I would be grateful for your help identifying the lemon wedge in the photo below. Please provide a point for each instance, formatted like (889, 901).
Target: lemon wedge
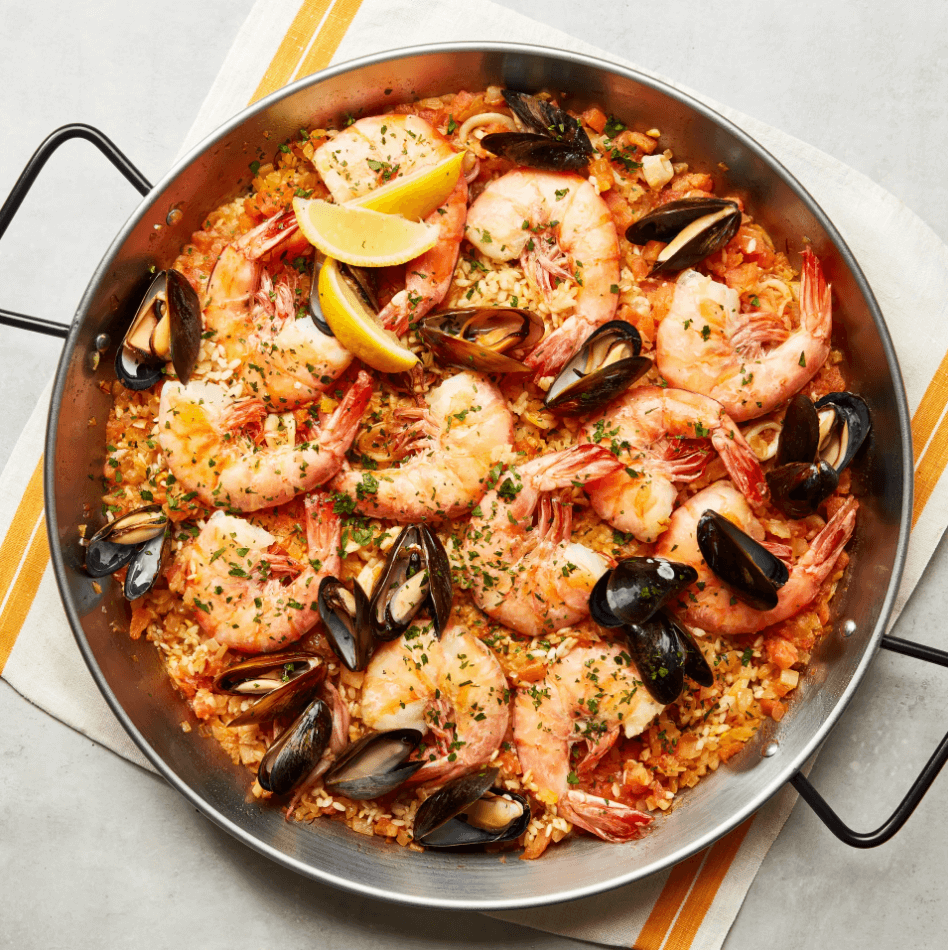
(416, 195)
(356, 327)
(360, 236)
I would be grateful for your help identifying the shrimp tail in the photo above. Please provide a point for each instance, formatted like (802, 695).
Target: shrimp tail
(323, 530)
(829, 543)
(611, 821)
(266, 236)
(741, 463)
(815, 298)
(243, 414)
(554, 350)
(577, 464)
(343, 424)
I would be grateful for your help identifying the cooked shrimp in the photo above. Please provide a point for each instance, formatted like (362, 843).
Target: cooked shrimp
(588, 696)
(643, 428)
(706, 345)
(561, 230)
(534, 579)
(465, 420)
(229, 583)
(290, 361)
(709, 603)
(453, 688)
(197, 432)
(234, 281)
(370, 153)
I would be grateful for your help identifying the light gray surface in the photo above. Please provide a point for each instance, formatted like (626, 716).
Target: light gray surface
(96, 852)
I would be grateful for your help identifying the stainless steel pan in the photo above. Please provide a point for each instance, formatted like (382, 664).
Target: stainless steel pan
(130, 673)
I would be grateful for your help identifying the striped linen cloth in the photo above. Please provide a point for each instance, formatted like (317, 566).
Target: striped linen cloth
(694, 904)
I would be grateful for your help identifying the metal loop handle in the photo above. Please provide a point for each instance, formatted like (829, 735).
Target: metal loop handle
(871, 839)
(23, 184)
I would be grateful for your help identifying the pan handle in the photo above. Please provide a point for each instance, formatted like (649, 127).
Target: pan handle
(23, 184)
(871, 839)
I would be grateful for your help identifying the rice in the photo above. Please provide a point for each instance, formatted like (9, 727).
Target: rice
(754, 674)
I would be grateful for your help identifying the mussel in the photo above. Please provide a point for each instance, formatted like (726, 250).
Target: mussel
(556, 142)
(167, 325)
(844, 425)
(693, 228)
(753, 572)
(636, 588)
(297, 751)
(417, 573)
(469, 811)
(816, 443)
(664, 654)
(605, 365)
(344, 610)
(285, 683)
(375, 765)
(138, 539)
(799, 488)
(490, 339)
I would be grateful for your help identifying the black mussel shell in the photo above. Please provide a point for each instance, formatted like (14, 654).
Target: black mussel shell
(737, 559)
(116, 544)
(556, 141)
(344, 610)
(464, 813)
(693, 227)
(141, 357)
(145, 567)
(315, 310)
(486, 338)
(696, 666)
(659, 656)
(285, 682)
(537, 151)
(297, 751)
(800, 433)
(417, 573)
(599, 605)
(639, 586)
(849, 429)
(375, 765)
(604, 366)
(184, 309)
(799, 488)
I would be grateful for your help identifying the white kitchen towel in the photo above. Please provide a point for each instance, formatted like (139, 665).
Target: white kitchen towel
(693, 904)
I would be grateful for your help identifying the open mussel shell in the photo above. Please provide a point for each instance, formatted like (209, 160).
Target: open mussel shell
(556, 141)
(166, 326)
(636, 588)
(417, 573)
(696, 666)
(604, 366)
(799, 488)
(753, 572)
(482, 338)
(469, 811)
(844, 425)
(800, 433)
(145, 567)
(344, 610)
(693, 227)
(358, 278)
(285, 683)
(375, 765)
(119, 542)
(297, 751)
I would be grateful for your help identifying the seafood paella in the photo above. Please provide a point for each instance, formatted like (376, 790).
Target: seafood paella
(482, 475)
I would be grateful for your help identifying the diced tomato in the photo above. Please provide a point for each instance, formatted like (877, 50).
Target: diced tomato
(773, 708)
(595, 118)
(781, 652)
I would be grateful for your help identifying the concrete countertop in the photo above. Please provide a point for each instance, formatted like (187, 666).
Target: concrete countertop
(96, 852)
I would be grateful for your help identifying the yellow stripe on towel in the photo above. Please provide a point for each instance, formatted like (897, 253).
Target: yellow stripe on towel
(334, 28)
(298, 37)
(706, 887)
(665, 909)
(23, 558)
